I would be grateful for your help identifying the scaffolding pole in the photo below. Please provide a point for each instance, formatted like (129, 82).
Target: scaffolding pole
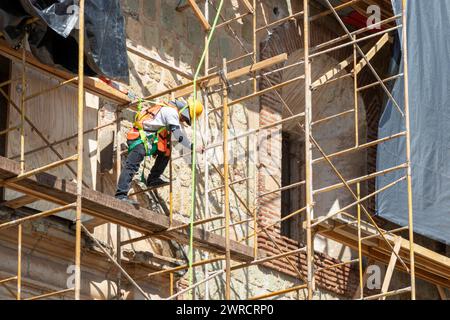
(226, 179)
(308, 153)
(80, 127)
(408, 150)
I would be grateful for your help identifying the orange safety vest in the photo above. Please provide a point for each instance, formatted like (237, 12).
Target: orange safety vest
(162, 138)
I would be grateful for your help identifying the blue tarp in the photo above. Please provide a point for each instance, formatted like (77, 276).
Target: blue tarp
(429, 88)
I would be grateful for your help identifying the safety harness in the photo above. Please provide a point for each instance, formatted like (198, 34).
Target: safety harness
(158, 140)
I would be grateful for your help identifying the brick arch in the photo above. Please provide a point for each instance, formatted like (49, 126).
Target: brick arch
(287, 38)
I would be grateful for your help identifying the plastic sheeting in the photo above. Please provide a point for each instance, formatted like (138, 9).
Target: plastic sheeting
(53, 40)
(429, 82)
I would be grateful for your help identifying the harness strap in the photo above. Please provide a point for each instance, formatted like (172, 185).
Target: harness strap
(144, 139)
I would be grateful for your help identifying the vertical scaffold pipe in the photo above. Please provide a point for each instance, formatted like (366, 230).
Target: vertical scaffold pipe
(79, 151)
(408, 148)
(308, 152)
(22, 160)
(194, 152)
(226, 180)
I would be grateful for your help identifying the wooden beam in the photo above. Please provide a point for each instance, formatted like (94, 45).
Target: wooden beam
(199, 15)
(442, 293)
(96, 204)
(326, 77)
(93, 85)
(214, 79)
(430, 266)
(375, 49)
(390, 268)
(330, 74)
(248, 69)
(20, 202)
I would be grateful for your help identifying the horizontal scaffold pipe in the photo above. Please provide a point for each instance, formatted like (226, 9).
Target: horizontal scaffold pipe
(376, 83)
(312, 18)
(261, 92)
(51, 294)
(247, 133)
(331, 215)
(213, 79)
(280, 292)
(182, 226)
(361, 147)
(361, 179)
(388, 294)
(354, 33)
(355, 41)
(37, 216)
(39, 170)
(65, 139)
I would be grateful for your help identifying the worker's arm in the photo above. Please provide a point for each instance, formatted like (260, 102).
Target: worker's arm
(172, 121)
(179, 136)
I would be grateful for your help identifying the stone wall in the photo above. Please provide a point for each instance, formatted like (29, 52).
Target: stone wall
(178, 38)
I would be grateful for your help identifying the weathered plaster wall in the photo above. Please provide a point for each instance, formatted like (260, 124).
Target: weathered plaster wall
(48, 263)
(178, 38)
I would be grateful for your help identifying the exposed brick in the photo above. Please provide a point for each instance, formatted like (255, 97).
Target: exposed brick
(286, 39)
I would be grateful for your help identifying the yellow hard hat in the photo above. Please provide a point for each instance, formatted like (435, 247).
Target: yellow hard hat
(195, 109)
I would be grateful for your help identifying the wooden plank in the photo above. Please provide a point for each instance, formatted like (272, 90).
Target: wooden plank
(330, 74)
(345, 63)
(430, 266)
(93, 85)
(442, 293)
(50, 188)
(375, 49)
(214, 79)
(391, 267)
(199, 15)
(248, 69)
(20, 202)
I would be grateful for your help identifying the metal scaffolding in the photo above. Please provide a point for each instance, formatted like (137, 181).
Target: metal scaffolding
(217, 79)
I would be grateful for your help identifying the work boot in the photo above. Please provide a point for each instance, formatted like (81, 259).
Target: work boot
(157, 182)
(128, 200)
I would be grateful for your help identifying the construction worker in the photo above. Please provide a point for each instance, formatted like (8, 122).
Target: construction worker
(151, 136)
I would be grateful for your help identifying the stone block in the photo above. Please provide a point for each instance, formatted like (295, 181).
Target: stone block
(196, 35)
(171, 19)
(151, 37)
(150, 9)
(132, 7)
(134, 30)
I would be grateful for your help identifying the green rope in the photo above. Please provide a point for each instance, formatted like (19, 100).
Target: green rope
(194, 154)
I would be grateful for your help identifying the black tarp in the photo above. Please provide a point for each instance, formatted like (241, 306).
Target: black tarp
(53, 38)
